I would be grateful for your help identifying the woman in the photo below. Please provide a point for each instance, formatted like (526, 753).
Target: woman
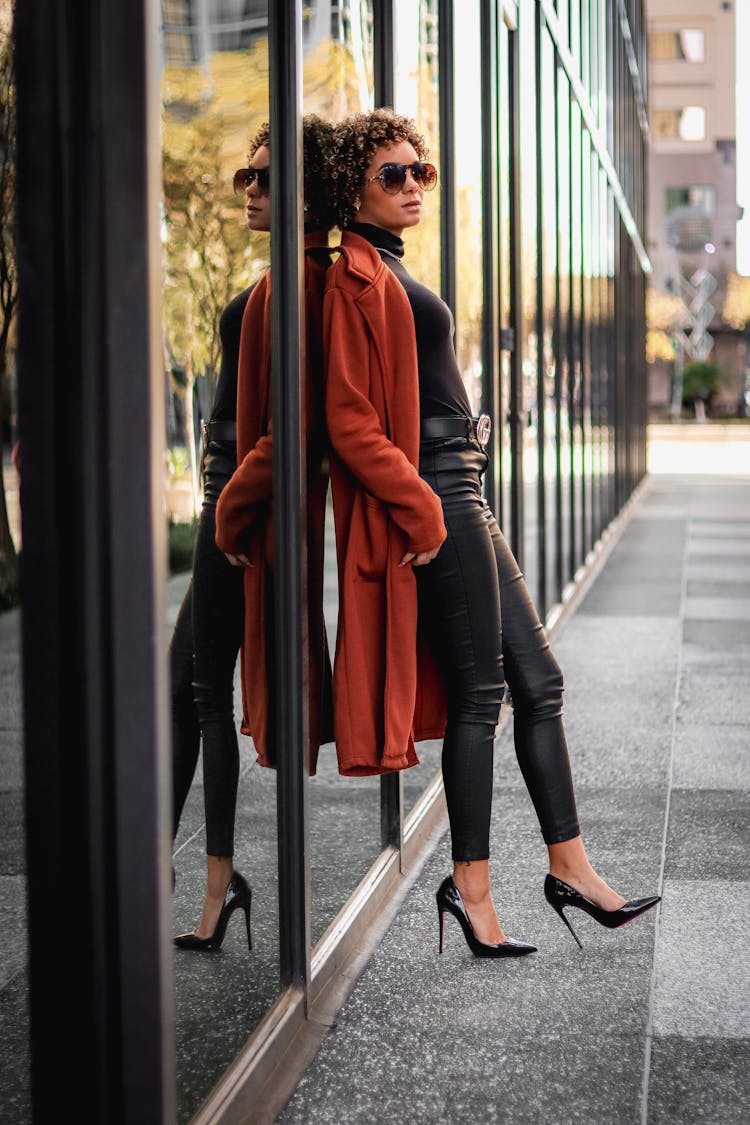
(235, 510)
(417, 544)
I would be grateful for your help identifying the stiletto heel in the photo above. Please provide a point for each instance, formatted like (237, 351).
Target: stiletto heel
(560, 895)
(565, 919)
(247, 922)
(238, 897)
(448, 898)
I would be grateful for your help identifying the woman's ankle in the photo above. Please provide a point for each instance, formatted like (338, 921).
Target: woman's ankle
(219, 872)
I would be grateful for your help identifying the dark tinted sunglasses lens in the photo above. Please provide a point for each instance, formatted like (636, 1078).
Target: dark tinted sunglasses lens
(425, 175)
(245, 176)
(392, 177)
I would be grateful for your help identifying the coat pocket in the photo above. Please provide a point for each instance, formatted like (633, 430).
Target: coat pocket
(368, 542)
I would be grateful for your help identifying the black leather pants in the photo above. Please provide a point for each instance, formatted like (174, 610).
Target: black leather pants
(203, 654)
(478, 618)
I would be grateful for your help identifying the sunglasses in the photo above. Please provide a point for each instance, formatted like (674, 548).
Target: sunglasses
(243, 177)
(393, 176)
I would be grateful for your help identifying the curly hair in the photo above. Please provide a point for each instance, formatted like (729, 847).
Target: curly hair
(357, 140)
(261, 138)
(318, 150)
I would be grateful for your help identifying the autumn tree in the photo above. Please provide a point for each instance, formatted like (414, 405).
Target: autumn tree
(8, 271)
(208, 254)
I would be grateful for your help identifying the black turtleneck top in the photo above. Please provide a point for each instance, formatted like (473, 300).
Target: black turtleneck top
(224, 406)
(441, 388)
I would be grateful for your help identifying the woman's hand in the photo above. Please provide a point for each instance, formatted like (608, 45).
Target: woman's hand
(421, 559)
(237, 560)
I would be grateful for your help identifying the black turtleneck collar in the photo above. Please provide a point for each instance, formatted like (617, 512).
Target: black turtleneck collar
(379, 238)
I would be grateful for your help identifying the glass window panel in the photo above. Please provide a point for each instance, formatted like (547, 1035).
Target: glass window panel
(214, 97)
(528, 342)
(702, 198)
(338, 59)
(686, 124)
(564, 252)
(468, 147)
(338, 69)
(678, 46)
(549, 297)
(417, 96)
(504, 200)
(586, 339)
(576, 375)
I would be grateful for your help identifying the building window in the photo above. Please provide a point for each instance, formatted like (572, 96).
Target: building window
(678, 46)
(686, 124)
(702, 198)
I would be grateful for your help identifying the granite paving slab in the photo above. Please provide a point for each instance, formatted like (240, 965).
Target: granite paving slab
(699, 1080)
(716, 698)
(712, 757)
(702, 984)
(709, 834)
(726, 607)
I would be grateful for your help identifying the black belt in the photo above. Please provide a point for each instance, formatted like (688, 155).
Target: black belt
(219, 430)
(455, 425)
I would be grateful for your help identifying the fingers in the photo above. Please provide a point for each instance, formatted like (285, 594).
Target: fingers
(237, 560)
(420, 559)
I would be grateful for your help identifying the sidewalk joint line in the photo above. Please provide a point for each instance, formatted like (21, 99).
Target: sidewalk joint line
(645, 1082)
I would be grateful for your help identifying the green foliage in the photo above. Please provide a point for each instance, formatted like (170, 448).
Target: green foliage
(181, 544)
(701, 380)
(208, 253)
(178, 462)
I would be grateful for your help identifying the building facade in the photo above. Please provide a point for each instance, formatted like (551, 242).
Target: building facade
(693, 210)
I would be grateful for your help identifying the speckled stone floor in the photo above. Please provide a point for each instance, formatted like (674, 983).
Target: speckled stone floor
(650, 1024)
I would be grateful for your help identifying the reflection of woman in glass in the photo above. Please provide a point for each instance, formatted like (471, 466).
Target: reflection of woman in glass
(208, 632)
(415, 538)
(240, 520)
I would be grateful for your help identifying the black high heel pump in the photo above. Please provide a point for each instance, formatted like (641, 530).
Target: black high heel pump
(448, 898)
(238, 897)
(559, 895)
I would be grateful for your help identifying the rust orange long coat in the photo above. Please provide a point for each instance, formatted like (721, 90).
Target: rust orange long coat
(387, 692)
(244, 510)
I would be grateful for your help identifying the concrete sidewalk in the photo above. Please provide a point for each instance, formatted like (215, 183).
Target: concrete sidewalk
(650, 1023)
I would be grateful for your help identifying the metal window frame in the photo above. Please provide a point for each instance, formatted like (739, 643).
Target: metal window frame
(94, 661)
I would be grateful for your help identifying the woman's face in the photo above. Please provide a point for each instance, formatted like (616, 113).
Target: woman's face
(257, 202)
(391, 212)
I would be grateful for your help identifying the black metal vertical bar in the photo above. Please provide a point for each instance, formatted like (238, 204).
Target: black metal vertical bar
(290, 617)
(572, 359)
(490, 248)
(383, 26)
(91, 404)
(391, 785)
(582, 313)
(516, 301)
(447, 153)
(541, 592)
(558, 353)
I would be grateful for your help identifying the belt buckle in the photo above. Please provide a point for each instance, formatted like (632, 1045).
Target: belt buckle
(484, 428)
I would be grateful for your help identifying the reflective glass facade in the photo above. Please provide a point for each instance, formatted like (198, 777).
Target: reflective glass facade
(534, 113)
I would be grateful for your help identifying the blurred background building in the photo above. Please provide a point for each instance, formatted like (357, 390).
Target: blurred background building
(693, 210)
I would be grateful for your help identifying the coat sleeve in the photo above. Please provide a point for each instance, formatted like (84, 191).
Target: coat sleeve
(356, 432)
(244, 497)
